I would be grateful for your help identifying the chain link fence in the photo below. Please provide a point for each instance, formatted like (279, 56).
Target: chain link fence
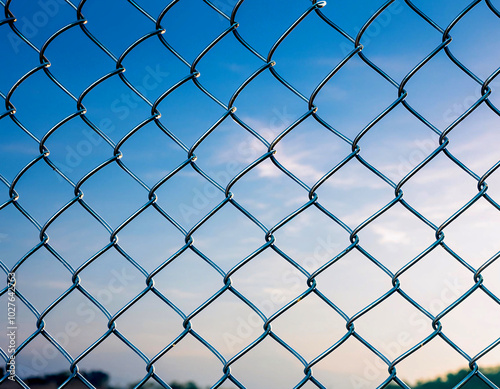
(80, 29)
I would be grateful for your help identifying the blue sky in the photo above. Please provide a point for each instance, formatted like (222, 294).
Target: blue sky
(397, 41)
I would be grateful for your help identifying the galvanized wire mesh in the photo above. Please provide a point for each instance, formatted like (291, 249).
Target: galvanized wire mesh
(311, 198)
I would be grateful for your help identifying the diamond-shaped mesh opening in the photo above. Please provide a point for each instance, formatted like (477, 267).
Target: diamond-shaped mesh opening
(99, 360)
(49, 197)
(391, 316)
(76, 150)
(289, 368)
(227, 151)
(477, 226)
(17, 150)
(442, 105)
(396, 237)
(18, 237)
(243, 64)
(383, 42)
(441, 356)
(112, 280)
(189, 358)
(108, 25)
(258, 26)
(187, 112)
(267, 106)
(351, 365)
(114, 108)
(135, 239)
(310, 337)
(312, 239)
(152, 76)
(188, 197)
(336, 282)
(471, 152)
(231, 229)
(176, 21)
(310, 151)
(269, 282)
(125, 195)
(400, 129)
(300, 71)
(275, 198)
(456, 189)
(48, 98)
(464, 314)
(76, 235)
(41, 358)
(94, 63)
(344, 194)
(188, 281)
(351, 86)
(233, 328)
(445, 280)
(150, 154)
(76, 323)
(468, 49)
(165, 321)
(42, 294)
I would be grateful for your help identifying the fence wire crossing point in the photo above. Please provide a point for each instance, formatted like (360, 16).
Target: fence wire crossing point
(9, 24)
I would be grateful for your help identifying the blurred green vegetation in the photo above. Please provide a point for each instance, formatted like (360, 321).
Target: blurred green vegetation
(452, 379)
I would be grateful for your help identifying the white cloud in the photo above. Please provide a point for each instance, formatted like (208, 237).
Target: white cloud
(390, 235)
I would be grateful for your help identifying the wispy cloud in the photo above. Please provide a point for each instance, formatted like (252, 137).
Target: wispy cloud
(391, 235)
